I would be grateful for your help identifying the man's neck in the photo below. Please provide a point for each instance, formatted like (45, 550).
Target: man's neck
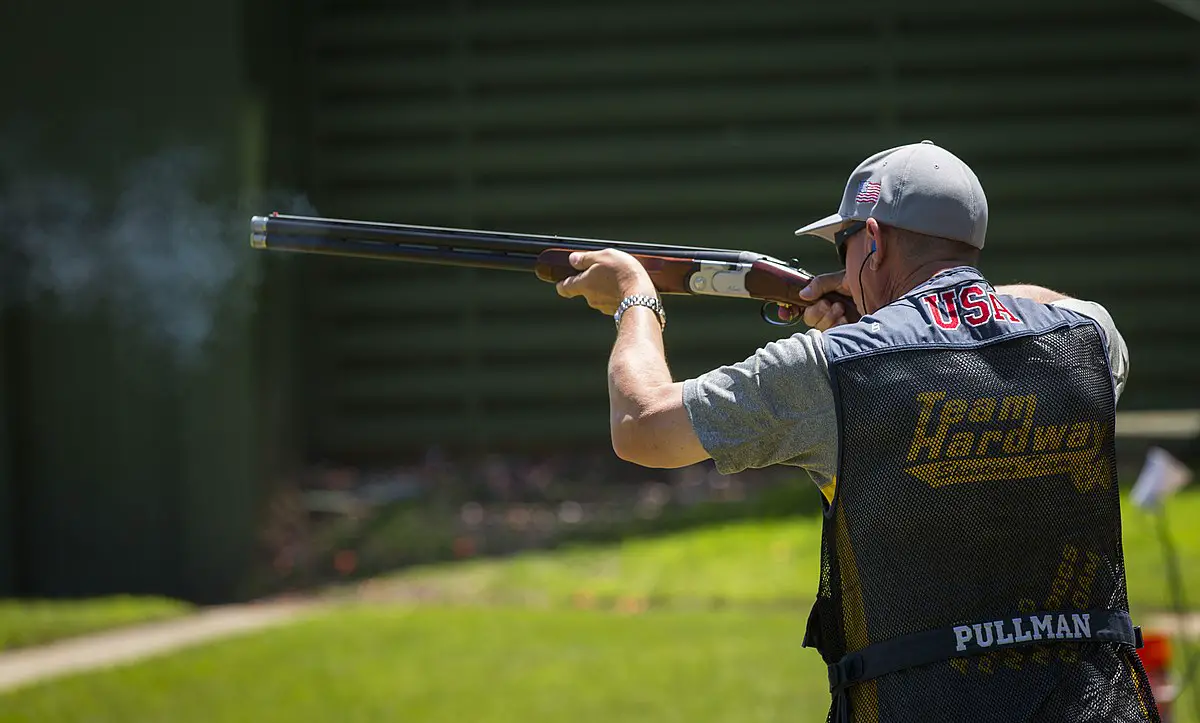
(910, 279)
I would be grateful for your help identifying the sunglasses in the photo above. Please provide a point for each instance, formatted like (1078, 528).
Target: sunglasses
(841, 237)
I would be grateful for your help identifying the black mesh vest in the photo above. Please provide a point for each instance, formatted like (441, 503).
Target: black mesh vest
(971, 561)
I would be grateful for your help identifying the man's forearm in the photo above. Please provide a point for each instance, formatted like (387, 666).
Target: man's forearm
(637, 367)
(1028, 291)
(649, 421)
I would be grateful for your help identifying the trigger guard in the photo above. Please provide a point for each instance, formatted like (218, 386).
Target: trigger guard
(773, 318)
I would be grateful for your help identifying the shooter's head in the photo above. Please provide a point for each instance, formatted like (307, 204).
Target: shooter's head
(904, 209)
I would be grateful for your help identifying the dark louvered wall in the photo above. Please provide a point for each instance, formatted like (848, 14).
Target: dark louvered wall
(725, 125)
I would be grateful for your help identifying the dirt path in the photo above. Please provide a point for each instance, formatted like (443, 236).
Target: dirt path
(125, 645)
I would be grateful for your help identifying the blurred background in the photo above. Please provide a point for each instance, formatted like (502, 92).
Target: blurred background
(183, 418)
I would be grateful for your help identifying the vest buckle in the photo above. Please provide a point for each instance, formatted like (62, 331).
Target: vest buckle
(845, 673)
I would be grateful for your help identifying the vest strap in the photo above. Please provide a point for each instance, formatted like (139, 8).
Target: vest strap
(960, 641)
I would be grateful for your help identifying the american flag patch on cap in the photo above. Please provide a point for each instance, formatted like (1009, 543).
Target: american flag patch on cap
(868, 192)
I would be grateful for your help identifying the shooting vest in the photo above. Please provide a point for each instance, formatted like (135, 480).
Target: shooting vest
(971, 563)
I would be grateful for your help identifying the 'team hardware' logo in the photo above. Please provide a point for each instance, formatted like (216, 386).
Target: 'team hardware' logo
(994, 438)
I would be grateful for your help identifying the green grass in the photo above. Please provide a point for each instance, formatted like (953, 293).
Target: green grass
(1144, 560)
(449, 665)
(749, 563)
(719, 642)
(31, 622)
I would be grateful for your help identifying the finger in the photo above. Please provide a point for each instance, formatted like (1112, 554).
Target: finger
(786, 312)
(813, 314)
(831, 317)
(582, 259)
(570, 286)
(821, 285)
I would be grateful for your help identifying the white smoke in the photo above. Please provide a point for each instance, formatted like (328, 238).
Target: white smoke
(151, 247)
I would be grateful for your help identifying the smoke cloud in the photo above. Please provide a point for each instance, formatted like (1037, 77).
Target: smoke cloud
(150, 246)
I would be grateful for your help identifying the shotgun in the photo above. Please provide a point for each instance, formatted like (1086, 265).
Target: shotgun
(674, 269)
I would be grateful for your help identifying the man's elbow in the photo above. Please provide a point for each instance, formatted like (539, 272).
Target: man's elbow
(637, 441)
(625, 439)
(656, 432)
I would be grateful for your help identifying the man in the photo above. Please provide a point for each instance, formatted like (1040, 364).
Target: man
(962, 437)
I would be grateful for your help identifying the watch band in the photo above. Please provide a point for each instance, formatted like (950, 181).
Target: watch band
(641, 300)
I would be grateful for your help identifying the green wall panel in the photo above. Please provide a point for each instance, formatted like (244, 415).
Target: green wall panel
(8, 506)
(722, 124)
(136, 471)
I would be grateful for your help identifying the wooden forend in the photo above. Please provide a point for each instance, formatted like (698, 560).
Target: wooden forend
(670, 276)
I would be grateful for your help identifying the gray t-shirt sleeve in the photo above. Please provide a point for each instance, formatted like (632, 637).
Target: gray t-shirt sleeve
(774, 408)
(1118, 353)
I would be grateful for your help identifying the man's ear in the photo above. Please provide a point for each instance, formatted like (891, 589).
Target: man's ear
(876, 243)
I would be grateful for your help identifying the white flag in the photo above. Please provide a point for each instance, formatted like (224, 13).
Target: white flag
(1162, 475)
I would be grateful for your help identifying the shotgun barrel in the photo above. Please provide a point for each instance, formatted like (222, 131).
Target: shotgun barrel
(358, 248)
(673, 269)
(434, 244)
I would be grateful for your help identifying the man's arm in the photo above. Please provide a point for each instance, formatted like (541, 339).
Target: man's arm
(648, 422)
(776, 407)
(1039, 294)
(1118, 352)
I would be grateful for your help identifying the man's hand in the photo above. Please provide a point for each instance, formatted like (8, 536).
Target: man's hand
(825, 314)
(608, 277)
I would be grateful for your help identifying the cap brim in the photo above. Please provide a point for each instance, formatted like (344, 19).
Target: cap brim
(825, 228)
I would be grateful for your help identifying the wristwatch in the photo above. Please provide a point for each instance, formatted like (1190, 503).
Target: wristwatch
(641, 300)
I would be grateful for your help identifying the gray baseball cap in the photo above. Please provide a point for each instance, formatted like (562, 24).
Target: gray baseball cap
(920, 187)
